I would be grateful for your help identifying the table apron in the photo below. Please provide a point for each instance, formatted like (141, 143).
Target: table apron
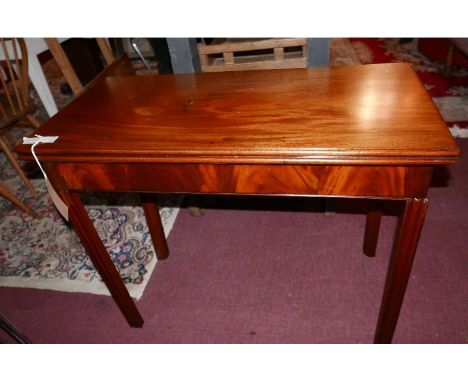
(359, 181)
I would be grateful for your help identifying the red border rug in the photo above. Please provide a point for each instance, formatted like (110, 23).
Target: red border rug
(449, 94)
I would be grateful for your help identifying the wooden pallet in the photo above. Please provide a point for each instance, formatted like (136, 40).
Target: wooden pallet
(252, 54)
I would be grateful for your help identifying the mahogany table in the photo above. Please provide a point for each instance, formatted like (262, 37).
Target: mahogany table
(368, 131)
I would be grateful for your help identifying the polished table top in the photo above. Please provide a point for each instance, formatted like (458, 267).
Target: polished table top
(366, 114)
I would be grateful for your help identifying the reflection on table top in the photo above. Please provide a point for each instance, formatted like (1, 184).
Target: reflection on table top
(353, 114)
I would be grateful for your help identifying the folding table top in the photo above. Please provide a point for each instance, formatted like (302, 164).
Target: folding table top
(372, 114)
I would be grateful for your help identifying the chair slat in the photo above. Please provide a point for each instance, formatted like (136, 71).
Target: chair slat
(228, 58)
(105, 50)
(3, 79)
(279, 53)
(21, 74)
(14, 69)
(12, 73)
(65, 66)
(2, 110)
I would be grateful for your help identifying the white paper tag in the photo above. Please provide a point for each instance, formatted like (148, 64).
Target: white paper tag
(61, 206)
(40, 139)
(58, 202)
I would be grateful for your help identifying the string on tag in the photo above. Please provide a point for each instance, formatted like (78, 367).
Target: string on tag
(37, 160)
(56, 199)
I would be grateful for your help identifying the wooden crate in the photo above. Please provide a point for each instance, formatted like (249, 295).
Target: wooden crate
(250, 54)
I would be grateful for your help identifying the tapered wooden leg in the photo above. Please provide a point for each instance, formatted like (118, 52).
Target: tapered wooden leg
(329, 207)
(13, 332)
(100, 258)
(153, 219)
(196, 212)
(64, 64)
(7, 194)
(192, 206)
(372, 232)
(17, 167)
(400, 268)
(448, 60)
(33, 121)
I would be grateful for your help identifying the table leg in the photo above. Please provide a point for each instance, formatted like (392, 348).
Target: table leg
(13, 332)
(400, 268)
(196, 212)
(372, 232)
(100, 258)
(153, 219)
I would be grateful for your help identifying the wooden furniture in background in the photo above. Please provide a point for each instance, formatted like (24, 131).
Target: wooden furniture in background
(105, 50)
(367, 131)
(85, 57)
(454, 44)
(64, 64)
(36, 46)
(185, 57)
(119, 66)
(6, 193)
(251, 54)
(15, 106)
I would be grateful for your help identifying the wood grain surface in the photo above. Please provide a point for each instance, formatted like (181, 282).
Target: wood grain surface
(347, 115)
(359, 181)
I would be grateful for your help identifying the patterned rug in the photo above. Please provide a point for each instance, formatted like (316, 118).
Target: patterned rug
(47, 253)
(449, 94)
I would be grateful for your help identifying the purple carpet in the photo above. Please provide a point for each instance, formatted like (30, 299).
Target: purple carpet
(277, 273)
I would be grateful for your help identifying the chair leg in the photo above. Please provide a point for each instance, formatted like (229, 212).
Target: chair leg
(33, 121)
(7, 194)
(64, 64)
(448, 61)
(9, 154)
